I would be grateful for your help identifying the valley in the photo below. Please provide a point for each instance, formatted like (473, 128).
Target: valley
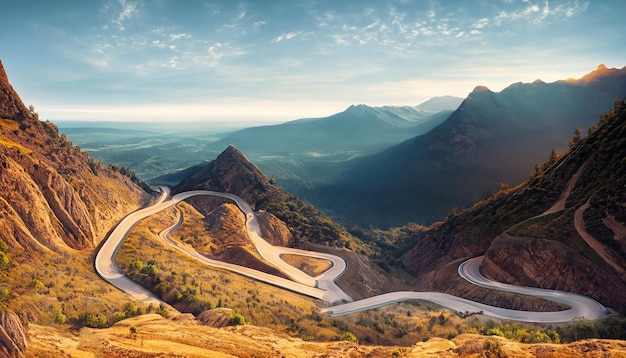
(226, 246)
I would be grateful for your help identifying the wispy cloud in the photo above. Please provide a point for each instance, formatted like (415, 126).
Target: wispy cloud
(121, 11)
(286, 36)
(538, 12)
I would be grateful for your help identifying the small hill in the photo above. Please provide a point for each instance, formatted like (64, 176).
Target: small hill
(564, 228)
(232, 172)
(491, 138)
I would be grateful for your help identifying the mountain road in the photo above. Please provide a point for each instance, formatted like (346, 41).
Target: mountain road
(323, 286)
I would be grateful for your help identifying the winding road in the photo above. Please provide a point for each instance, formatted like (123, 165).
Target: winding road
(323, 286)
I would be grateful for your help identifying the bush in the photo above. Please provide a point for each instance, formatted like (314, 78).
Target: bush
(4, 261)
(348, 336)
(4, 294)
(236, 319)
(93, 320)
(162, 310)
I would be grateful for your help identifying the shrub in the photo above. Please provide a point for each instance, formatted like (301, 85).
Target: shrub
(93, 320)
(4, 294)
(236, 319)
(348, 336)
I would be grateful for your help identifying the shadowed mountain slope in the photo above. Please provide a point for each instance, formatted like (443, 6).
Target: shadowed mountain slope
(528, 240)
(491, 138)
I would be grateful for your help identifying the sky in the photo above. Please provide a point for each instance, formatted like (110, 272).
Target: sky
(276, 60)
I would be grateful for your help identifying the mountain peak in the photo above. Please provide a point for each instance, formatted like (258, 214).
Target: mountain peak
(601, 67)
(230, 172)
(481, 89)
(11, 106)
(233, 152)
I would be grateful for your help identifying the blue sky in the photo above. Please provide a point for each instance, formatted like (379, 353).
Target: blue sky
(271, 61)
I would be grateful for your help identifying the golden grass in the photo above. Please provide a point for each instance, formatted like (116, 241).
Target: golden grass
(5, 142)
(310, 265)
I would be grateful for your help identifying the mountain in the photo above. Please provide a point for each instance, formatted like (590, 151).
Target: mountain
(491, 138)
(564, 228)
(54, 197)
(56, 205)
(358, 128)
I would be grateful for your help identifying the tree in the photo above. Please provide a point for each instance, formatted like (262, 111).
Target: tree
(31, 109)
(576, 138)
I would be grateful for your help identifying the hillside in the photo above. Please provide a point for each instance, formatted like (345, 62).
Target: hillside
(158, 337)
(491, 138)
(54, 197)
(563, 228)
(57, 204)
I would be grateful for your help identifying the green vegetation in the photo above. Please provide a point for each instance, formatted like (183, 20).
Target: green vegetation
(236, 319)
(305, 222)
(387, 246)
(524, 333)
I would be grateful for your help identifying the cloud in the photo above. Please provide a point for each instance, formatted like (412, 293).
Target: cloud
(286, 36)
(174, 37)
(126, 11)
(481, 23)
(536, 13)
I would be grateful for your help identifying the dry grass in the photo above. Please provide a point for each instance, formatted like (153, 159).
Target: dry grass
(67, 284)
(310, 265)
(182, 336)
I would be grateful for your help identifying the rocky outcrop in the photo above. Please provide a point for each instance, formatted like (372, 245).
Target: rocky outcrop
(216, 317)
(273, 230)
(11, 106)
(13, 336)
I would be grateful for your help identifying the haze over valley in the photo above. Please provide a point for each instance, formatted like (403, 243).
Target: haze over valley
(363, 179)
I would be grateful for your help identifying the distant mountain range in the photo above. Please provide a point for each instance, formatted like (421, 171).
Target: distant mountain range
(491, 138)
(359, 128)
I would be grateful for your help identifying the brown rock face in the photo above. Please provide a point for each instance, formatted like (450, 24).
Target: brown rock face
(552, 265)
(11, 105)
(217, 317)
(52, 195)
(273, 229)
(12, 336)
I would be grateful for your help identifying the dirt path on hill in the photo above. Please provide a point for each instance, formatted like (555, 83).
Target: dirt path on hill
(560, 204)
(597, 246)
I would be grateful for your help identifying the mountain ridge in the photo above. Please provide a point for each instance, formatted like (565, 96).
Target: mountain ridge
(491, 138)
